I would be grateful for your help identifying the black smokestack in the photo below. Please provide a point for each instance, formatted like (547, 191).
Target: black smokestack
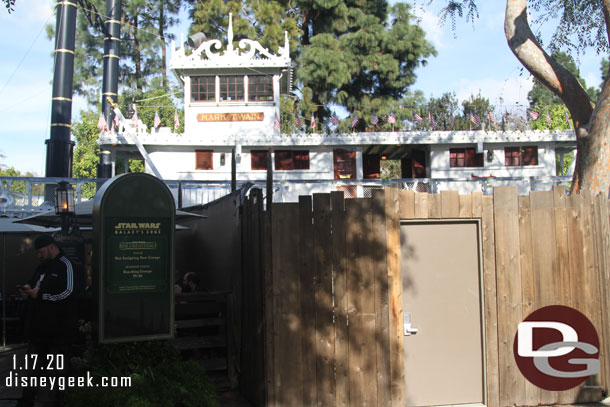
(59, 145)
(111, 57)
(110, 81)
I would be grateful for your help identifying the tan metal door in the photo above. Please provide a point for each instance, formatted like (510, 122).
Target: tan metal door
(441, 294)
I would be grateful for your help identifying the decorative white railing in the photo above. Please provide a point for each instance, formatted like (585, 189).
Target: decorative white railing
(24, 196)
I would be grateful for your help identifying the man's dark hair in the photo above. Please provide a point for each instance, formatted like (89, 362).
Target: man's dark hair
(43, 241)
(192, 277)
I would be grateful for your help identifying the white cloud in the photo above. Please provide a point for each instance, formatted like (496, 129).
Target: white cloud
(431, 24)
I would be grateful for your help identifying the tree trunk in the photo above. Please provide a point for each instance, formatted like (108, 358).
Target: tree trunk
(592, 160)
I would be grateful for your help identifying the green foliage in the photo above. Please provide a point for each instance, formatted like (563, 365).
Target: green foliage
(558, 119)
(142, 47)
(10, 5)
(155, 100)
(360, 58)
(19, 187)
(391, 169)
(87, 151)
(567, 161)
(159, 378)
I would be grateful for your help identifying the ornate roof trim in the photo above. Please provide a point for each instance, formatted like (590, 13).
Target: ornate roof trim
(249, 53)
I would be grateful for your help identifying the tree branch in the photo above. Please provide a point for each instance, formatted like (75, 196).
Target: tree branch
(551, 74)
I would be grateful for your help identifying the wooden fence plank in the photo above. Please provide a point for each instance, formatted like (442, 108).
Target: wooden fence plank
(591, 297)
(465, 202)
(561, 240)
(604, 277)
(338, 220)
(407, 204)
(477, 204)
(599, 281)
(361, 307)
(562, 214)
(288, 347)
(269, 310)
(450, 206)
(379, 254)
(544, 260)
(434, 206)
(323, 275)
(308, 315)
(421, 205)
(528, 284)
(490, 300)
(393, 210)
(512, 383)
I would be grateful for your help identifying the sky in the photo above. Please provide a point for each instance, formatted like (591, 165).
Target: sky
(474, 59)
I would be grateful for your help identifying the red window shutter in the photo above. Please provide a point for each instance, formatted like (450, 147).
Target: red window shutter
(457, 157)
(203, 160)
(283, 160)
(529, 155)
(259, 159)
(512, 156)
(474, 159)
(301, 159)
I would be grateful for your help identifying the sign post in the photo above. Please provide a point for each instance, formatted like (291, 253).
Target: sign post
(133, 228)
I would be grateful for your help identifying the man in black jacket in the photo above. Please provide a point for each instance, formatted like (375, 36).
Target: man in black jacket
(52, 326)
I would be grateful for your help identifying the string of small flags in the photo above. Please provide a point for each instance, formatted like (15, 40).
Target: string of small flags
(102, 125)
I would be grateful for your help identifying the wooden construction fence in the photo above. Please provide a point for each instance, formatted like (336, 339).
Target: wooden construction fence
(332, 287)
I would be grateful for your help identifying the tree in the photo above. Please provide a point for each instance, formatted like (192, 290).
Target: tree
(144, 38)
(87, 151)
(581, 24)
(356, 56)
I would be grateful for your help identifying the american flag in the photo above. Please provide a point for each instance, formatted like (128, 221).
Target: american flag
(116, 121)
(475, 119)
(134, 118)
(157, 121)
(548, 118)
(417, 118)
(490, 117)
(176, 121)
(334, 120)
(313, 121)
(276, 124)
(354, 121)
(392, 118)
(297, 121)
(506, 117)
(533, 115)
(375, 119)
(101, 123)
(431, 120)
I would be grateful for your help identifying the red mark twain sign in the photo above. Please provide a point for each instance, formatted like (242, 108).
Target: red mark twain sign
(231, 117)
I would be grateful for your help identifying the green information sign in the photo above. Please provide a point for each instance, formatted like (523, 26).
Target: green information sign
(133, 229)
(135, 251)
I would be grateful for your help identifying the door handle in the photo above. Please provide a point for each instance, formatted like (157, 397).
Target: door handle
(408, 329)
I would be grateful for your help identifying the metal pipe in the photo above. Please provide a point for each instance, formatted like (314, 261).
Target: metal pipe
(110, 79)
(59, 145)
